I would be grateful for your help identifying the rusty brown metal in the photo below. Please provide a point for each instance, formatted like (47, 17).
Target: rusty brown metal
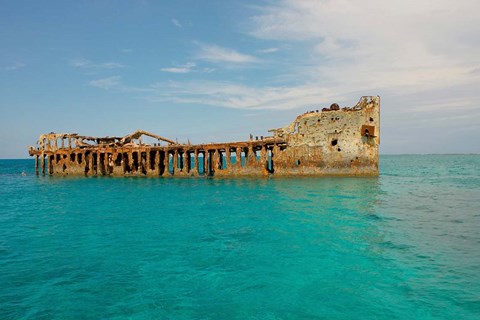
(334, 141)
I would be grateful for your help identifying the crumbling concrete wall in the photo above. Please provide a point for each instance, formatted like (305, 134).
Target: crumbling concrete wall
(333, 141)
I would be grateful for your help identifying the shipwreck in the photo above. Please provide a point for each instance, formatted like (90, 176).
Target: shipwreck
(330, 141)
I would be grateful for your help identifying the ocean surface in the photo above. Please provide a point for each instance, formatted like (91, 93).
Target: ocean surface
(404, 245)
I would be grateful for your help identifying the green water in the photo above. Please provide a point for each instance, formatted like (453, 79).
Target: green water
(404, 245)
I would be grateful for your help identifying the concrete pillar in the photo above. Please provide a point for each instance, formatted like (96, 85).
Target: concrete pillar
(238, 156)
(99, 164)
(275, 151)
(123, 163)
(166, 160)
(130, 160)
(227, 158)
(157, 162)
(147, 160)
(50, 165)
(213, 160)
(63, 143)
(50, 162)
(205, 155)
(220, 159)
(175, 161)
(36, 165)
(216, 159)
(210, 162)
(196, 166)
(263, 157)
(144, 162)
(184, 162)
(139, 162)
(107, 160)
(250, 161)
(188, 161)
(42, 163)
(90, 166)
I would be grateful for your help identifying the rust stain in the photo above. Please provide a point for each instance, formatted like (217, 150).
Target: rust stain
(333, 141)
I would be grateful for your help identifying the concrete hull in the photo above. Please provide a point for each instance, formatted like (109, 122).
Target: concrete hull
(330, 142)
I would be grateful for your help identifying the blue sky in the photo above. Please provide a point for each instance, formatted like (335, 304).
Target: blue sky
(209, 71)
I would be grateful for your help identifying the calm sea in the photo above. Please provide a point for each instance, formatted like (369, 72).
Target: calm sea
(405, 245)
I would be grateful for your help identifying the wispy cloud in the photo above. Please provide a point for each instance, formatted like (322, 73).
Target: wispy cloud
(208, 70)
(217, 54)
(223, 94)
(107, 83)
(377, 49)
(186, 68)
(87, 64)
(386, 44)
(176, 23)
(14, 66)
(239, 96)
(127, 50)
(268, 50)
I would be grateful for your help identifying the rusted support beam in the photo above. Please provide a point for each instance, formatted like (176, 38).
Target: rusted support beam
(157, 162)
(251, 157)
(42, 162)
(175, 161)
(99, 166)
(238, 155)
(130, 161)
(166, 163)
(220, 159)
(196, 164)
(147, 160)
(90, 163)
(227, 158)
(188, 161)
(50, 165)
(263, 159)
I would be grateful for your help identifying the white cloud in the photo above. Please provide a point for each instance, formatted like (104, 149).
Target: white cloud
(176, 70)
(14, 66)
(214, 53)
(188, 67)
(87, 64)
(176, 23)
(385, 43)
(208, 70)
(107, 83)
(238, 96)
(350, 49)
(268, 50)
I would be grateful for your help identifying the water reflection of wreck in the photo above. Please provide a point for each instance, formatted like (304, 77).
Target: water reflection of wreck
(333, 141)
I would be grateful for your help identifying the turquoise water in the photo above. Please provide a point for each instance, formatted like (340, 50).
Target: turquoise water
(405, 245)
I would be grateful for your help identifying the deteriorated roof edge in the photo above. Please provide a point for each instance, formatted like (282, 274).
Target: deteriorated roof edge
(360, 105)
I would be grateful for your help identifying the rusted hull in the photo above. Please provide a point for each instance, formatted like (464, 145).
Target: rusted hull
(331, 142)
